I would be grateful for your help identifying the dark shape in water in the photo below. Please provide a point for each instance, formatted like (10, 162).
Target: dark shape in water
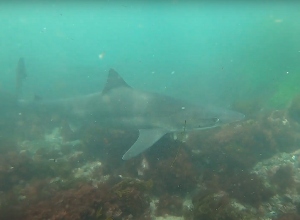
(20, 75)
(121, 107)
(294, 109)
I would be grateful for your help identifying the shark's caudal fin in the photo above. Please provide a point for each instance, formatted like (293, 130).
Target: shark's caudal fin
(147, 137)
(114, 80)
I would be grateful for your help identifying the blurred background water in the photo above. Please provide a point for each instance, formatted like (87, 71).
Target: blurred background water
(221, 53)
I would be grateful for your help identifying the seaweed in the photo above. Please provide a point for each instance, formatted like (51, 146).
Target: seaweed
(283, 178)
(247, 188)
(288, 216)
(209, 205)
(89, 202)
(169, 205)
(173, 174)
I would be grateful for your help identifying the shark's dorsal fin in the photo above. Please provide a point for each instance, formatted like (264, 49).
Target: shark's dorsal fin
(114, 80)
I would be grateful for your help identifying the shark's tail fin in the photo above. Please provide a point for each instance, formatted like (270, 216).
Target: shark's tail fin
(20, 76)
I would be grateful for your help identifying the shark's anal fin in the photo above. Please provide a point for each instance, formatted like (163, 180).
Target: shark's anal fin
(146, 139)
(114, 80)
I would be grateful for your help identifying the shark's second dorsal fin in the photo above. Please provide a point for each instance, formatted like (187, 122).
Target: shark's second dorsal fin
(114, 80)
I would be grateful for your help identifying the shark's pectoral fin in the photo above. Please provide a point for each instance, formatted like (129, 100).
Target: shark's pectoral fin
(146, 139)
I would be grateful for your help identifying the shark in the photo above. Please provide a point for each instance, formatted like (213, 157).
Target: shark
(120, 106)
